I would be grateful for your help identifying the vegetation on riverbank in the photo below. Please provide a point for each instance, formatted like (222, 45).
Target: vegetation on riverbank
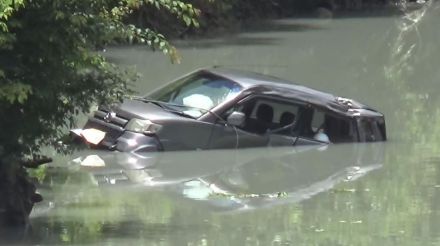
(50, 72)
(218, 17)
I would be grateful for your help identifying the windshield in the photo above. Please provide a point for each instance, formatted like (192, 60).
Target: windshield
(198, 93)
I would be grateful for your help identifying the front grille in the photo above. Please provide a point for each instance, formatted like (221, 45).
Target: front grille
(113, 126)
(113, 119)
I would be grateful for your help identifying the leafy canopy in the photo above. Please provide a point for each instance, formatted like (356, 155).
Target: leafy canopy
(50, 69)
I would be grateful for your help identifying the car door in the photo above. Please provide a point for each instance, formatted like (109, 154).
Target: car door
(262, 126)
(228, 137)
(225, 135)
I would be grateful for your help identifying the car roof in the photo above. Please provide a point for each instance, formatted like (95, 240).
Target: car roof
(270, 85)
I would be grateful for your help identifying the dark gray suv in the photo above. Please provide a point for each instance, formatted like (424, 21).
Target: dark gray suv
(224, 108)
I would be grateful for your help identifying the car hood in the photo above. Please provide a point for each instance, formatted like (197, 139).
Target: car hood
(130, 109)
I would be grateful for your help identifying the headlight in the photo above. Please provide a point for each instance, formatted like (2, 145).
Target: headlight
(142, 126)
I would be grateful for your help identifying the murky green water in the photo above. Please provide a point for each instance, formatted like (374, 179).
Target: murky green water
(361, 194)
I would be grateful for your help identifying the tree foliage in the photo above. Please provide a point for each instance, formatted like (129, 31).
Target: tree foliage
(51, 70)
(49, 67)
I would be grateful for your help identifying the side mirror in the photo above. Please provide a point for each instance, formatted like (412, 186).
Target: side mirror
(236, 118)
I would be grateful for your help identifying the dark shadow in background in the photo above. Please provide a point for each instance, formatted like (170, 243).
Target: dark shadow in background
(245, 37)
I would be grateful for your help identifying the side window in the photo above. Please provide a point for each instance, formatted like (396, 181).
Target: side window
(317, 120)
(370, 130)
(264, 114)
(338, 129)
(325, 126)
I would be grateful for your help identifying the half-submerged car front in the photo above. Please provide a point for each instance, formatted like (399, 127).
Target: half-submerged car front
(224, 108)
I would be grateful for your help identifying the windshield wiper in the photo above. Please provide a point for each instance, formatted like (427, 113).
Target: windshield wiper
(146, 100)
(201, 109)
(165, 106)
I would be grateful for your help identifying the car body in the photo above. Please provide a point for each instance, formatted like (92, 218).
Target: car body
(220, 108)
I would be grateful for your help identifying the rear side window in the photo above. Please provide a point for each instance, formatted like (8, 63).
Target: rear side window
(338, 129)
(371, 130)
(315, 123)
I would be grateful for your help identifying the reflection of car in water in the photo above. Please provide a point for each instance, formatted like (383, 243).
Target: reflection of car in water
(241, 179)
(158, 169)
(222, 108)
(288, 178)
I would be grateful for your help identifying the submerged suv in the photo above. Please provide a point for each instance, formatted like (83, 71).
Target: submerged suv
(224, 108)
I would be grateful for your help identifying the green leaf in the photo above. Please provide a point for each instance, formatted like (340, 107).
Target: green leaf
(187, 20)
(15, 92)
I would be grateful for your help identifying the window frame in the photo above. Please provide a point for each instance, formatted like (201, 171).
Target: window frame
(278, 100)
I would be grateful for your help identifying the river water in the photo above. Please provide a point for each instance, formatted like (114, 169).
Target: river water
(353, 194)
